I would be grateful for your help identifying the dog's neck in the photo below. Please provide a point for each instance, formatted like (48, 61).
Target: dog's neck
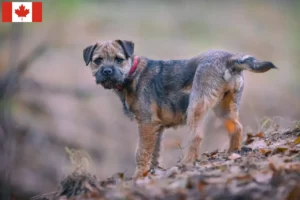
(130, 85)
(128, 79)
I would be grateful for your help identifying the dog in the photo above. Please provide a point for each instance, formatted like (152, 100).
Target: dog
(161, 94)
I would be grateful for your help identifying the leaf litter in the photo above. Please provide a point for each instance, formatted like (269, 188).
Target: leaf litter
(268, 167)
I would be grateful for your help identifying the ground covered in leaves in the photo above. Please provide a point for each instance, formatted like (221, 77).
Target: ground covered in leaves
(267, 167)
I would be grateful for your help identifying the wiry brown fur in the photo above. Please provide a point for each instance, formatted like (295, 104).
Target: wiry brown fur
(162, 94)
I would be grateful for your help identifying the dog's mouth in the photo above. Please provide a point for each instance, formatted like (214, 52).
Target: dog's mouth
(110, 84)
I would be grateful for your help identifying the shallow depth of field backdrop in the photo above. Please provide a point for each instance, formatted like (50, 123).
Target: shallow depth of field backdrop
(57, 107)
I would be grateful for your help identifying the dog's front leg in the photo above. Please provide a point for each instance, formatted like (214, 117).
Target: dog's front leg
(156, 151)
(147, 140)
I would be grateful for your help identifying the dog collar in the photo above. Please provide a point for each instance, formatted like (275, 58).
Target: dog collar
(134, 66)
(132, 70)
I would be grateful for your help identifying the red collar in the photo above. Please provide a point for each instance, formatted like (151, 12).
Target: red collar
(132, 70)
(134, 66)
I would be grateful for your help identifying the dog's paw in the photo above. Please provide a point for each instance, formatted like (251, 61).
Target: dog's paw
(140, 174)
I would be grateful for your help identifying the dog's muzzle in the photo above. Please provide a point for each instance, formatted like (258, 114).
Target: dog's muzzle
(106, 73)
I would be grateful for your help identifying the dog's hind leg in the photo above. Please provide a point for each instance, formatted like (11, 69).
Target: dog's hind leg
(200, 102)
(227, 110)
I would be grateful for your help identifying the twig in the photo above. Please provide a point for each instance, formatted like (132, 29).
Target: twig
(43, 195)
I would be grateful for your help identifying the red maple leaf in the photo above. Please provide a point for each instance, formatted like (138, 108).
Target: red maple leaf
(22, 12)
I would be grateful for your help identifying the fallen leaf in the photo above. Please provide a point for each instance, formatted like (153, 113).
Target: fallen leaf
(118, 175)
(293, 151)
(266, 152)
(297, 140)
(234, 156)
(263, 151)
(268, 142)
(249, 140)
(280, 150)
(222, 167)
(201, 186)
(250, 137)
(260, 135)
(214, 153)
(244, 177)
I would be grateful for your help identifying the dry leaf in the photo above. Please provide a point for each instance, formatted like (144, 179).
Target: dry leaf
(280, 150)
(250, 137)
(214, 153)
(293, 151)
(119, 175)
(249, 140)
(263, 151)
(297, 140)
(234, 156)
(244, 177)
(260, 135)
(201, 186)
(222, 167)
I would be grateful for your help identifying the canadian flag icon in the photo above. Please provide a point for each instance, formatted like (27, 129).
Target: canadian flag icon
(21, 11)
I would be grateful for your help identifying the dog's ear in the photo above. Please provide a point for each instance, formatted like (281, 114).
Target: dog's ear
(128, 47)
(88, 53)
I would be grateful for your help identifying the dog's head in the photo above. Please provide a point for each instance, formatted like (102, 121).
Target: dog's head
(110, 61)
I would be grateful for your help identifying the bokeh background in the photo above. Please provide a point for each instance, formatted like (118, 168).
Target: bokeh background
(52, 110)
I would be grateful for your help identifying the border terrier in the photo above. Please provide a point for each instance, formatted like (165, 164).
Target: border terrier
(161, 94)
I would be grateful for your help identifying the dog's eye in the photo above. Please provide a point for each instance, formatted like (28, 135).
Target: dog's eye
(98, 61)
(119, 60)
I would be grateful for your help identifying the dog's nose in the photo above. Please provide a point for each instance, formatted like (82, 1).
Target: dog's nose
(107, 71)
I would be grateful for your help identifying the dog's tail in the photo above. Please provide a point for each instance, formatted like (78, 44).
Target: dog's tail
(251, 64)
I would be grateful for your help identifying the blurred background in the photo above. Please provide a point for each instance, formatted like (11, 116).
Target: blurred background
(52, 112)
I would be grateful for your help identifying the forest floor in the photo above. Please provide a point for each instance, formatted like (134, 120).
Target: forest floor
(267, 167)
